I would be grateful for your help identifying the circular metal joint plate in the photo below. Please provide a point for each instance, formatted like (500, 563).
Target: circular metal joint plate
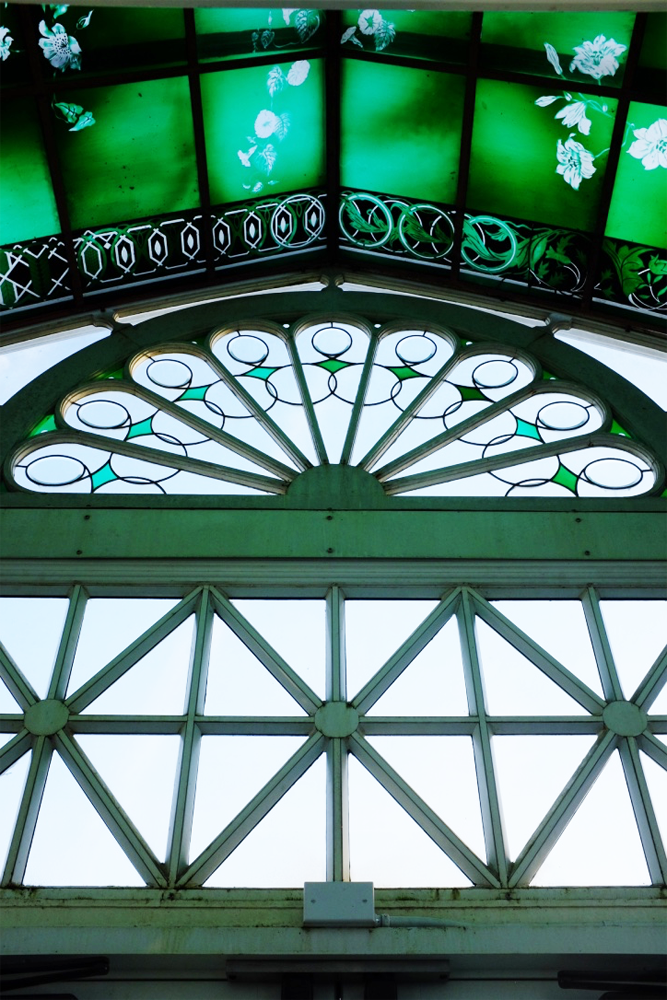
(46, 717)
(335, 718)
(624, 718)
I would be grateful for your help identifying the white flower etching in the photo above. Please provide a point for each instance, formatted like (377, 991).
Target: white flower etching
(369, 21)
(574, 162)
(544, 102)
(245, 157)
(575, 114)
(5, 43)
(60, 48)
(597, 58)
(266, 123)
(650, 145)
(552, 56)
(287, 13)
(298, 72)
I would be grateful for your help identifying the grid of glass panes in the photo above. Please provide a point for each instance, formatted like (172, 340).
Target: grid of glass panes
(217, 741)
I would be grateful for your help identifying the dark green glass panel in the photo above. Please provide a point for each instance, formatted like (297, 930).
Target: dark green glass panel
(401, 130)
(633, 274)
(640, 179)
(27, 204)
(590, 46)
(654, 51)
(119, 38)
(517, 147)
(223, 34)
(137, 160)
(13, 57)
(419, 34)
(258, 141)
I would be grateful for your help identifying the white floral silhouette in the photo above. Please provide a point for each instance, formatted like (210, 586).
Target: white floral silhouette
(575, 114)
(552, 56)
(650, 145)
(369, 21)
(298, 72)
(60, 48)
(597, 58)
(266, 123)
(5, 43)
(574, 162)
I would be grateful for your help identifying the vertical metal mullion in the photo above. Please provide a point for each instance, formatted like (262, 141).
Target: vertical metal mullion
(313, 426)
(338, 851)
(333, 119)
(486, 779)
(642, 806)
(358, 407)
(26, 820)
(466, 139)
(180, 828)
(68, 642)
(604, 657)
(194, 81)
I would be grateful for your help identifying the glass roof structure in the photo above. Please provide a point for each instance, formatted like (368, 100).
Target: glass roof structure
(519, 154)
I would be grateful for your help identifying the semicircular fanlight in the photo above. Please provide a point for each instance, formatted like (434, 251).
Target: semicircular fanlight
(256, 405)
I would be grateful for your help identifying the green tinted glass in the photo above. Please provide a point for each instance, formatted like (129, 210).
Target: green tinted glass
(137, 160)
(420, 34)
(264, 129)
(13, 57)
(539, 156)
(225, 33)
(577, 47)
(149, 38)
(640, 182)
(401, 130)
(27, 204)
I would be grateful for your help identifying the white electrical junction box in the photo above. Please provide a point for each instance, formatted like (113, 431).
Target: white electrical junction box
(338, 904)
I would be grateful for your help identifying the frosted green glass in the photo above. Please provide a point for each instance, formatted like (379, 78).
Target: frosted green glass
(420, 34)
(514, 156)
(27, 205)
(14, 61)
(638, 210)
(137, 160)
(401, 130)
(515, 34)
(224, 33)
(243, 123)
(654, 51)
(146, 37)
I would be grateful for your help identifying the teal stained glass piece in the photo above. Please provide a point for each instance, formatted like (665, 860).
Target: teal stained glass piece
(197, 392)
(137, 159)
(524, 429)
(564, 477)
(141, 428)
(102, 476)
(640, 181)
(262, 373)
(401, 130)
(264, 129)
(27, 203)
(550, 172)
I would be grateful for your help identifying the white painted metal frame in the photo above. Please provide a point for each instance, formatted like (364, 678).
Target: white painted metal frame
(463, 602)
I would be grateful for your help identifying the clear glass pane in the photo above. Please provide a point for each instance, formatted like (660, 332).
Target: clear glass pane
(600, 845)
(288, 847)
(239, 683)
(386, 846)
(140, 771)
(375, 630)
(656, 779)
(30, 630)
(12, 783)
(636, 632)
(72, 845)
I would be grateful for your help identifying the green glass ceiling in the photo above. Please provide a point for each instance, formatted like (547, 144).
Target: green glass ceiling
(521, 152)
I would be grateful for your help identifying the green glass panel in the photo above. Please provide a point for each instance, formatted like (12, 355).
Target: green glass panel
(333, 365)
(564, 477)
(470, 392)
(222, 34)
(47, 424)
(419, 34)
(148, 38)
(401, 130)
(529, 164)
(116, 373)
(13, 56)
(264, 129)
(405, 372)
(137, 160)
(27, 205)
(654, 51)
(141, 428)
(524, 429)
(584, 46)
(640, 179)
(633, 273)
(617, 429)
